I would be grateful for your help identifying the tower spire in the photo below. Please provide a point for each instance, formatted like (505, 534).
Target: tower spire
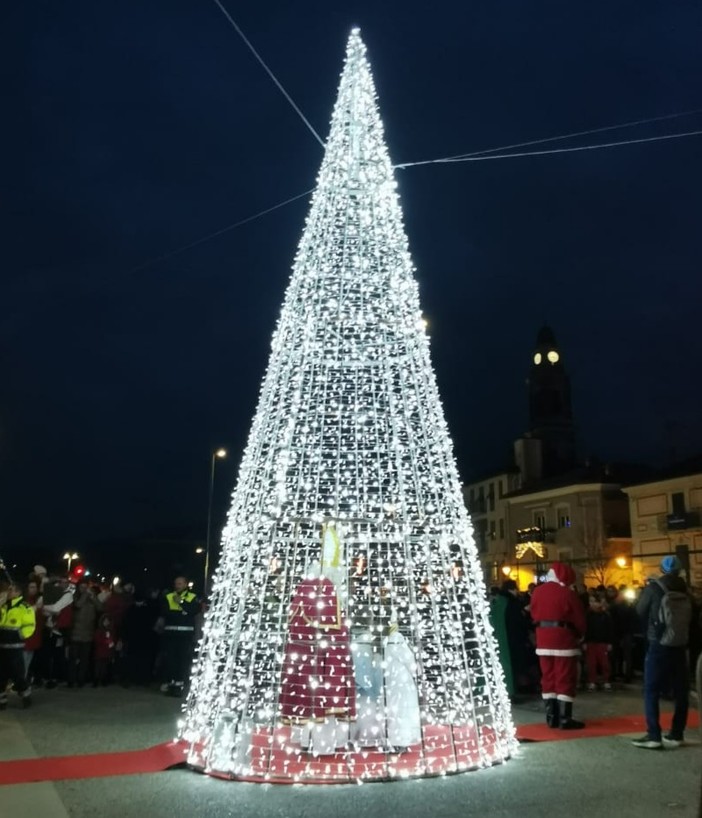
(348, 608)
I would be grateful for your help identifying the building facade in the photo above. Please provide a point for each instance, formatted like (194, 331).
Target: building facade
(546, 507)
(666, 518)
(487, 504)
(580, 519)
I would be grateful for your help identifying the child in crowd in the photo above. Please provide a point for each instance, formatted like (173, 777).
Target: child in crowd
(104, 651)
(598, 642)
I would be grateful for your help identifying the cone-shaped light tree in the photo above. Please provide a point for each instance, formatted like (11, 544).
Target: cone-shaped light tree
(348, 632)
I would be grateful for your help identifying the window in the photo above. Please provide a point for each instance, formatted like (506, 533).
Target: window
(540, 519)
(491, 496)
(502, 526)
(480, 536)
(677, 499)
(493, 532)
(563, 514)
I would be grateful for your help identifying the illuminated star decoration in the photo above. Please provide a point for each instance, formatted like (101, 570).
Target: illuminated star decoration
(536, 547)
(530, 539)
(349, 432)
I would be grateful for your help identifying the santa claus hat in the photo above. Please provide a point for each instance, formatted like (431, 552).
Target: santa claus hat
(561, 573)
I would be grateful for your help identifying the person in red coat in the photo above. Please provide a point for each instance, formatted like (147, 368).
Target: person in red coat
(318, 682)
(560, 621)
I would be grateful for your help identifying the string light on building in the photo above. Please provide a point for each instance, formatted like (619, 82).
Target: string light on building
(530, 539)
(348, 635)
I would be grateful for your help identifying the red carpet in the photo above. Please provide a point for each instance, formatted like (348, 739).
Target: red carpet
(132, 762)
(163, 756)
(596, 728)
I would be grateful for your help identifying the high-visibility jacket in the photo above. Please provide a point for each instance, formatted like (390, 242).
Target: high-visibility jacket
(180, 616)
(17, 623)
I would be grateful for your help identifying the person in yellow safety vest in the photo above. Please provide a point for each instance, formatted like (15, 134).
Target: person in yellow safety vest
(17, 623)
(179, 612)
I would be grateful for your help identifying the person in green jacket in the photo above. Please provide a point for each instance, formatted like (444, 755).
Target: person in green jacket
(510, 627)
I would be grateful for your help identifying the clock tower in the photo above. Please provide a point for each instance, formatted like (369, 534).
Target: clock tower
(550, 409)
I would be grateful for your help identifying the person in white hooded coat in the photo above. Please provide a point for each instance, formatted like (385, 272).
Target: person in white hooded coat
(401, 698)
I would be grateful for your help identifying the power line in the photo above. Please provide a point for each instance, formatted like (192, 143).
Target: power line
(595, 147)
(554, 138)
(478, 157)
(214, 235)
(268, 71)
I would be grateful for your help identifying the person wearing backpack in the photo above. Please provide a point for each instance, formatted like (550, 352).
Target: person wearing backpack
(665, 608)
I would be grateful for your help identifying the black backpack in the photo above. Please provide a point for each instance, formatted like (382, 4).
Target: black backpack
(674, 617)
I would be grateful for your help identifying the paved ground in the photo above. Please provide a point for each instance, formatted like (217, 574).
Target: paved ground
(585, 777)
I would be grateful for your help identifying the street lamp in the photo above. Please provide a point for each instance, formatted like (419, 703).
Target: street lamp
(69, 557)
(218, 454)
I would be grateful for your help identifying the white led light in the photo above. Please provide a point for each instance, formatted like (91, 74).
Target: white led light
(348, 616)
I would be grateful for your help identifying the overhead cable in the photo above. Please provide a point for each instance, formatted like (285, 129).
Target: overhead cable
(268, 71)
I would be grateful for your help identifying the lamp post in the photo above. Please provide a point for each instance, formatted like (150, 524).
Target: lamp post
(218, 454)
(69, 557)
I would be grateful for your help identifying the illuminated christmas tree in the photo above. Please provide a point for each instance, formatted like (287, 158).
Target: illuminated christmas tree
(348, 633)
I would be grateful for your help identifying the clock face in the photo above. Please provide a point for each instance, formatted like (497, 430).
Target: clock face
(553, 356)
(537, 358)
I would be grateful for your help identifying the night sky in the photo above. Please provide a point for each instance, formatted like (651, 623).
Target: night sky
(142, 126)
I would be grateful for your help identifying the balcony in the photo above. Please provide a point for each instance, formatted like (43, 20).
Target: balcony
(533, 539)
(680, 521)
(536, 534)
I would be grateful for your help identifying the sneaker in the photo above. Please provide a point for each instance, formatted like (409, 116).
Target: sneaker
(591, 688)
(165, 687)
(648, 743)
(607, 686)
(672, 743)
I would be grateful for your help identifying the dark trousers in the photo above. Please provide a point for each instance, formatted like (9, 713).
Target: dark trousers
(665, 668)
(101, 671)
(51, 666)
(79, 662)
(623, 658)
(12, 669)
(139, 664)
(177, 656)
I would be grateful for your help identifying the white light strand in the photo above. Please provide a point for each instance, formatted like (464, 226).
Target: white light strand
(348, 636)
(550, 151)
(543, 140)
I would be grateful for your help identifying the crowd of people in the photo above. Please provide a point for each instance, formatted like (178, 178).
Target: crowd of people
(556, 638)
(553, 639)
(55, 630)
(612, 647)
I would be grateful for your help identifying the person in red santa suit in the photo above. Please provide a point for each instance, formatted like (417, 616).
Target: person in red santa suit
(318, 684)
(560, 621)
